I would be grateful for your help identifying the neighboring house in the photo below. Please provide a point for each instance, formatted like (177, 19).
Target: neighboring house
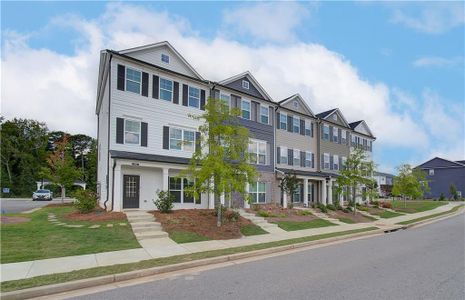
(384, 183)
(441, 174)
(297, 149)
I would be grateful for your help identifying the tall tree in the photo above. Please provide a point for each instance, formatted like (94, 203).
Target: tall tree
(61, 169)
(223, 165)
(410, 183)
(80, 147)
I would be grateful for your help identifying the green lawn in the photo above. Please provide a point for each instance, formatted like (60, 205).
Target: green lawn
(388, 214)
(414, 206)
(346, 220)
(181, 237)
(252, 229)
(40, 239)
(292, 225)
(431, 216)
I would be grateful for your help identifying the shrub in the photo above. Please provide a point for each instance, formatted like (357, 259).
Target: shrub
(347, 210)
(164, 203)
(323, 208)
(375, 203)
(364, 208)
(86, 201)
(442, 197)
(223, 211)
(330, 207)
(231, 215)
(255, 207)
(304, 213)
(263, 214)
(386, 204)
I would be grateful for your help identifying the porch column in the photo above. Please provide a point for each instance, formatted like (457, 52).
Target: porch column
(222, 198)
(246, 203)
(118, 190)
(305, 192)
(330, 192)
(165, 179)
(323, 192)
(341, 199)
(211, 198)
(284, 199)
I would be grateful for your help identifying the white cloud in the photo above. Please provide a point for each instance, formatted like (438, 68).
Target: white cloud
(432, 17)
(60, 89)
(436, 61)
(267, 21)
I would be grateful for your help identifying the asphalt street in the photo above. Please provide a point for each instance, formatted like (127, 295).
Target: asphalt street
(419, 263)
(9, 206)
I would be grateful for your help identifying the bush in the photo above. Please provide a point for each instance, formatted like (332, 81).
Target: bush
(375, 203)
(265, 214)
(348, 209)
(164, 203)
(86, 201)
(255, 207)
(363, 208)
(442, 197)
(304, 213)
(330, 207)
(231, 215)
(322, 207)
(386, 204)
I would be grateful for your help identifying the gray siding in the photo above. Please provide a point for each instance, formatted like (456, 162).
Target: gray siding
(237, 85)
(442, 179)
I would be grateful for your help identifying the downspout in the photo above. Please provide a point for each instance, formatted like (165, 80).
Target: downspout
(108, 138)
(113, 184)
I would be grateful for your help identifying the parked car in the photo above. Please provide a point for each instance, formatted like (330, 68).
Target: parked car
(42, 195)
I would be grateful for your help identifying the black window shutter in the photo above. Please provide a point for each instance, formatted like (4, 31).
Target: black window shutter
(185, 91)
(302, 158)
(311, 134)
(313, 160)
(302, 127)
(322, 166)
(289, 124)
(278, 155)
(202, 99)
(331, 133)
(176, 93)
(197, 141)
(290, 157)
(166, 137)
(145, 84)
(121, 77)
(155, 86)
(331, 162)
(143, 140)
(270, 115)
(277, 120)
(340, 162)
(322, 132)
(119, 130)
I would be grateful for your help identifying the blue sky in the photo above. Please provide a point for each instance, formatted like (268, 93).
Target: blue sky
(400, 66)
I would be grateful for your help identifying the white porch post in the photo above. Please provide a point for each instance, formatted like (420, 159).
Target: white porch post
(246, 203)
(305, 192)
(222, 198)
(330, 192)
(118, 189)
(323, 192)
(211, 198)
(341, 199)
(284, 199)
(165, 179)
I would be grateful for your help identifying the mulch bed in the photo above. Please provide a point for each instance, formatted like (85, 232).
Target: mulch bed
(13, 220)
(200, 221)
(357, 218)
(96, 215)
(283, 214)
(375, 211)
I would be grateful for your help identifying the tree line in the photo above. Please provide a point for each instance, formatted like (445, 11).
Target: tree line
(27, 147)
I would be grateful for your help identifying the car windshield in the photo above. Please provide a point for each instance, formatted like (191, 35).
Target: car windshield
(43, 191)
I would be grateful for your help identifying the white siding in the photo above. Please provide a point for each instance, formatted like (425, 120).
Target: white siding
(102, 145)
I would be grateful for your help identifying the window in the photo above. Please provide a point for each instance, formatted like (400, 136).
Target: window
(296, 195)
(245, 84)
(308, 127)
(257, 192)
(283, 121)
(178, 188)
(245, 107)
(353, 141)
(194, 97)
(431, 172)
(343, 136)
(165, 58)
(326, 132)
(308, 159)
(133, 79)
(264, 114)
(296, 124)
(257, 152)
(335, 134)
(166, 89)
(283, 156)
(296, 157)
(326, 161)
(182, 139)
(226, 99)
(343, 160)
(131, 132)
(336, 162)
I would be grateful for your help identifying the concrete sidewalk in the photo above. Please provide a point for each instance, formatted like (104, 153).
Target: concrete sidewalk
(164, 247)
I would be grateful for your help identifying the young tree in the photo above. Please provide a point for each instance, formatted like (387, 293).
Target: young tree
(220, 164)
(61, 169)
(289, 184)
(453, 192)
(356, 172)
(410, 183)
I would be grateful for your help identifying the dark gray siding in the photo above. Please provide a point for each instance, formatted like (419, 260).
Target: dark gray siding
(442, 180)
(237, 85)
(438, 162)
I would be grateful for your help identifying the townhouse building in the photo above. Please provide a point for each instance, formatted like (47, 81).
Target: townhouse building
(146, 135)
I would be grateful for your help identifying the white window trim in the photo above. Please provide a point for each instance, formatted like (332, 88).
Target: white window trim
(294, 118)
(283, 149)
(250, 109)
(245, 84)
(257, 192)
(182, 139)
(294, 157)
(140, 132)
(258, 151)
(329, 136)
(181, 190)
(431, 172)
(285, 117)
(226, 95)
(160, 88)
(161, 58)
(326, 155)
(126, 80)
(336, 162)
(189, 95)
(267, 114)
(310, 160)
(309, 123)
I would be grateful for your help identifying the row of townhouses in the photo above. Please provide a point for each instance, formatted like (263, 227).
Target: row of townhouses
(146, 136)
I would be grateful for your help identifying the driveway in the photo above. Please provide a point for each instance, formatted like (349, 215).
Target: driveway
(18, 205)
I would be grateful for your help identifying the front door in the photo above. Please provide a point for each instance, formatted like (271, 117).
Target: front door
(131, 191)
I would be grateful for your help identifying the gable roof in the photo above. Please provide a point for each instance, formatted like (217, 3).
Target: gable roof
(324, 115)
(376, 173)
(354, 125)
(460, 162)
(158, 45)
(438, 162)
(250, 77)
(301, 100)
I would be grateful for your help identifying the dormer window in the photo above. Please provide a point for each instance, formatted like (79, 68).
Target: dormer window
(165, 58)
(245, 84)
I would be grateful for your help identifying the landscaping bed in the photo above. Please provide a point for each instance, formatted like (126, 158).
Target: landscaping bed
(193, 225)
(382, 213)
(349, 217)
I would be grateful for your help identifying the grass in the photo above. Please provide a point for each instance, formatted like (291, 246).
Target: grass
(40, 239)
(181, 237)
(454, 209)
(293, 225)
(346, 220)
(252, 229)
(388, 214)
(414, 206)
(100, 271)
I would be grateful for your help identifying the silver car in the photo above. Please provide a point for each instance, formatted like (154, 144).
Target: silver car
(42, 195)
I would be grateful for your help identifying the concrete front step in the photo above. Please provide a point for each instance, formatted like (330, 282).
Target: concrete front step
(145, 224)
(153, 229)
(141, 219)
(150, 235)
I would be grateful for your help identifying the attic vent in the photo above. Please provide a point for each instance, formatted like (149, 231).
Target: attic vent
(296, 104)
(245, 84)
(165, 58)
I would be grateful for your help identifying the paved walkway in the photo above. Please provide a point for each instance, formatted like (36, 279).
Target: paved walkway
(164, 247)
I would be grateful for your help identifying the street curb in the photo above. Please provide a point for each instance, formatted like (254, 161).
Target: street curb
(435, 219)
(52, 289)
